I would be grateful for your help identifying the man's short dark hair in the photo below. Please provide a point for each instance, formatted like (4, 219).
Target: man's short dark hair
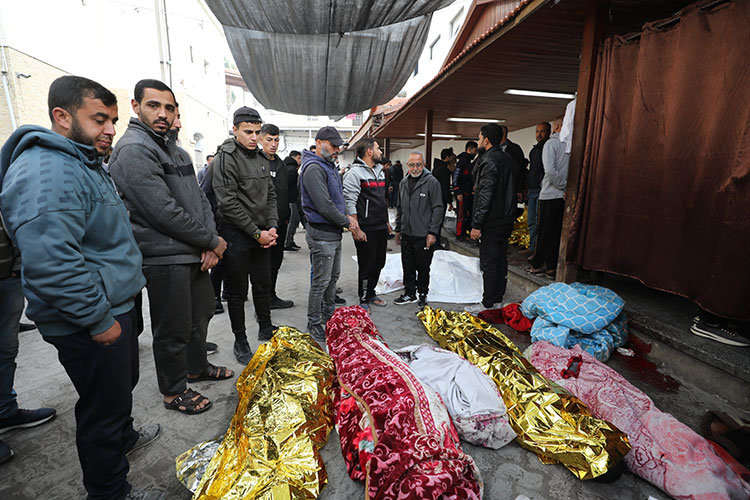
(269, 129)
(312, 148)
(446, 153)
(363, 145)
(470, 144)
(67, 92)
(209, 156)
(295, 154)
(149, 83)
(547, 126)
(493, 132)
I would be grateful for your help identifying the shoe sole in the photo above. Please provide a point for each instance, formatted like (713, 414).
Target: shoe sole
(703, 333)
(404, 303)
(28, 424)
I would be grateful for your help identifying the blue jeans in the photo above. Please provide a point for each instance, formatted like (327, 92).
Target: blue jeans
(531, 217)
(11, 308)
(325, 257)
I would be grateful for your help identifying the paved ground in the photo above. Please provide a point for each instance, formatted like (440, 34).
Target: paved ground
(46, 464)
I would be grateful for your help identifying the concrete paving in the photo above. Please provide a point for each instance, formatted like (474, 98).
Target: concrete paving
(46, 463)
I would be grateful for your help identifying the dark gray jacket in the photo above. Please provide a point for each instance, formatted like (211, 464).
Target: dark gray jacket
(171, 217)
(420, 211)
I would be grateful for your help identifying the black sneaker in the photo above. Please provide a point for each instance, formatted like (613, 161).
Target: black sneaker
(277, 303)
(290, 248)
(26, 418)
(5, 452)
(339, 300)
(211, 347)
(405, 299)
(26, 327)
(719, 334)
(266, 333)
(242, 351)
(146, 435)
(296, 245)
(218, 308)
(139, 494)
(422, 301)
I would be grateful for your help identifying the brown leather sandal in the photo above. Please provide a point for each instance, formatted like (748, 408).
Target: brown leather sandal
(213, 372)
(188, 402)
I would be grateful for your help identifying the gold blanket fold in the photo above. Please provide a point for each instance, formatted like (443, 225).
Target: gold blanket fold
(283, 418)
(549, 420)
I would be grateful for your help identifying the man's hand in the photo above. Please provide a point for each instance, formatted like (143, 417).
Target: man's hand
(267, 238)
(450, 207)
(398, 238)
(359, 235)
(390, 189)
(390, 229)
(273, 232)
(353, 224)
(220, 248)
(208, 260)
(108, 336)
(431, 240)
(475, 234)
(460, 198)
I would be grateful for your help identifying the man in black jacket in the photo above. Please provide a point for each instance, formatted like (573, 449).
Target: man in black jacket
(494, 214)
(397, 173)
(463, 188)
(292, 162)
(441, 170)
(520, 171)
(536, 174)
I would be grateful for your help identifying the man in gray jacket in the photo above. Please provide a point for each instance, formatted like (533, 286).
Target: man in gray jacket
(420, 214)
(173, 225)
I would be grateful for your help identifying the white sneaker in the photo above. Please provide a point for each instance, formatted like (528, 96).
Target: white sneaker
(475, 308)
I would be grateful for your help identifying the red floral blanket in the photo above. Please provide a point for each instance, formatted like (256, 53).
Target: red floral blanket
(395, 432)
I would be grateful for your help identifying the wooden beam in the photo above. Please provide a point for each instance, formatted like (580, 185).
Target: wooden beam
(594, 31)
(387, 147)
(428, 139)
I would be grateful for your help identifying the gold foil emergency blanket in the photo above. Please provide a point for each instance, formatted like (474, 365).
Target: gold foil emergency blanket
(520, 234)
(549, 420)
(283, 418)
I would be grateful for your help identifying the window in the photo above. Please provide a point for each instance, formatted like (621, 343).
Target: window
(456, 22)
(416, 69)
(433, 46)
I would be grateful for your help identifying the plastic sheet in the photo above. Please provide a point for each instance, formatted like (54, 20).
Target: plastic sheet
(549, 420)
(283, 418)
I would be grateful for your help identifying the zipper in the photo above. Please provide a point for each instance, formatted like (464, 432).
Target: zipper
(367, 208)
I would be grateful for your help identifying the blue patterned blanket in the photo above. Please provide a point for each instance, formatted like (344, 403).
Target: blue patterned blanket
(588, 315)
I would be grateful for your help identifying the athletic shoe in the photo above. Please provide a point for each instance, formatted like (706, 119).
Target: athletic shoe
(26, 418)
(277, 303)
(146, 435)
(339, 300)
(422, 301)
(5, 452)
(218, 308)
(242, 351)
(476, 308)
(289, 248)
(405, 299)
(211, 347)
(26, 327)
(294, 245)
(719, 334)
(139, 494)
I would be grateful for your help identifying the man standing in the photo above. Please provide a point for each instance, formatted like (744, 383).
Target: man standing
(269, 141)
(551, 203)
(81, 269)
(536, 173)
(365, 195)
(174, 227)
(397, 173)
(202, 171)
(463, 188)
(292, 162)
(516, 153)
(324, 208)
(248, 220)
(420, 212)
(441, 170)
(494, 214)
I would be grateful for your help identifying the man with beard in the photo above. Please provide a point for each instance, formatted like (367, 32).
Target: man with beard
(536, 174)
(494, 214)
(324, 208)
(269, 141)
(365, 195)
(248, 220)
(175, 230)
(81, 269)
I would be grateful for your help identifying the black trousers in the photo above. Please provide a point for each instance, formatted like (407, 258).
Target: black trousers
(277, 256)
(548, 236)
(181, 304)
(415, 262)
(217, 277)
(104, 378)
(370, 261)
(244, 256)
(493, 262)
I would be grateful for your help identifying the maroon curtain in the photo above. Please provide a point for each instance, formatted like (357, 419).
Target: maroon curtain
(665, 188)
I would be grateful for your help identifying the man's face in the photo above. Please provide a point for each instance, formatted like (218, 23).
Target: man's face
(93, 124)
(157, 110)
(415, 164)
(298, 159)
(484, 144)
(542, 133)
(472, 151)
(247, 134)
(176, 124)
(327, 151)
(209, 159)
(270, 144)
(377, 154)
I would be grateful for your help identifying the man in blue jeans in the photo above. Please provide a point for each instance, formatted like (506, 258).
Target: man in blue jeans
(11, 308)
(324, 207)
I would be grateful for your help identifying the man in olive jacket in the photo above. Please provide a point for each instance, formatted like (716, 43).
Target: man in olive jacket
(248, 220)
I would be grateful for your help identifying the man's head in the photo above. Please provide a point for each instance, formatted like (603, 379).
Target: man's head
(296, 156)
(415, 163)
(312, 148)
(505, 133)
(557, 124)
(155, 105)
(174, 130)
(209, 159)
(446, 154)
(269, 139)
(490, 135)
(368, 150)
(246, 127)
(471, 148)
(543, 130)
(84, 111)
(386, 163)
(328, 143)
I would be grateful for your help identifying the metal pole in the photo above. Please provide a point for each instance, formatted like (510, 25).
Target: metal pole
(6, 89)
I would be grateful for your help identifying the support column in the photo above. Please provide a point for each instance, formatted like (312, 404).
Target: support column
(594, 30)
(428, 139)
(387, 147)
